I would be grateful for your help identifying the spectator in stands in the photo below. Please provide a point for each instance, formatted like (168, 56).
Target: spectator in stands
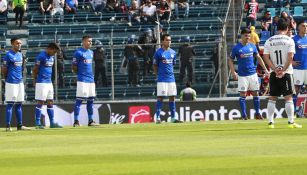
(291, 22)
(98, 6)
(182, 4)
(111, 5)
(149, 47)
(3, 11)
(266, 21)
(57, 7)
(254, 38)
(188, 94)
(19, 8)
(164, 11)
(132, 51)
(100, 64)
(149, 12)
(134, 13)
(45, 7)
(186, 52)
(60, 56)
(251, 9)
(274, 25)
(71, 6)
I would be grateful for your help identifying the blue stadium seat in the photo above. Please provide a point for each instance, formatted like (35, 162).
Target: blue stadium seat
(303, 1)
(272, 10)
(298, 11)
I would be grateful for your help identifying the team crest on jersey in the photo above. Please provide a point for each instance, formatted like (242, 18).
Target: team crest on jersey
(242, 88)
(172, 55)
(251, 49)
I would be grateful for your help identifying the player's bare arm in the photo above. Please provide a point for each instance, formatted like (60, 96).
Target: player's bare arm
(289, 61)
(4, 71)
(260, 61)
(232, 69)
(74, 69)
(155, 69)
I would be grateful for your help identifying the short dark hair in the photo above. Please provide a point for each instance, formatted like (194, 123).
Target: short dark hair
(164, 36)
(282, 24)
(53, 46)
(188, 84)
(301, 22)
(86, 37)
(245, 30)
(14, 39)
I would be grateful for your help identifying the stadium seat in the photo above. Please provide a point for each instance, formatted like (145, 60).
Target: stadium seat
(285, 9)
(303, 1)
(298, 11)
(272, 10)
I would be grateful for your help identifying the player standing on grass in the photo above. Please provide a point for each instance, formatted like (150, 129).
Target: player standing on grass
(163, 66)
(246, 76)
(14, 87)
(278, 54)
(300, 60)
(42, 73)
(82, 65)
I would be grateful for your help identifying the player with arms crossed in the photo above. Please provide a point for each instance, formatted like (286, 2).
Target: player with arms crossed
(300, 60)
(246, 76)
(163, 66)
(41, 73)
(14, 87)
(82, 65)
(278, 55)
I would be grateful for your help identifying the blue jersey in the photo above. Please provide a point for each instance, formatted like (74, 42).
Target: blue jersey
(300, 51)
(165, 60)
(13, 62)
(83, 59)
(245, 57)
(71, 3)
(45, 63)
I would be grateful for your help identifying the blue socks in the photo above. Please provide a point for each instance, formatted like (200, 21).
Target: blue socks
(172, 108)
(18, 112)
(89, 108)
(294, 101)
(9, 108)
(243, 106)
(77, 109)
(257, 104)
(50, 112)
(159, 106)
(38, 113)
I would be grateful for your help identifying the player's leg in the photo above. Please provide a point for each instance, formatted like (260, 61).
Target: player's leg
(90, 104)
(18, 107)
(50, 112)
(242, 88)
(171, 93)
(288, 87)
(275, 92)
(79, 98)
(10, 98)
(40, 97)
(298, 77)
(160, 95)
(254, 87)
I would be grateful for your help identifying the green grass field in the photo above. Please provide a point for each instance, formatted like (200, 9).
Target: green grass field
(201, 148)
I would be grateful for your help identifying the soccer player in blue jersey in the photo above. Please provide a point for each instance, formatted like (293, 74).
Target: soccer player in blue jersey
(14, 87)
(82, 65)
(42, 73)
(300, 60)
(163, 66)
(247, 77)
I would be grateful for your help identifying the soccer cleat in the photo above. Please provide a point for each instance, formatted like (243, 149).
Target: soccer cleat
(173, 120)
(158, 121)
(271, 125)
(56, 125)
(258, 117)
(23, 128)
(244, 118)
(76, 123)
(8, 129)
(39, 127)
(92, 123)
(294, 125)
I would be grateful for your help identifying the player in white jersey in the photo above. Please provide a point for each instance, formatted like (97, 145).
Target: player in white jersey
(278, 55)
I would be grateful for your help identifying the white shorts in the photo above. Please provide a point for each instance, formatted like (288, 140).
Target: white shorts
(248, 83)
(166, 89)
(85, 90)
(300, 77)
(44, 91)
(14, 92)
